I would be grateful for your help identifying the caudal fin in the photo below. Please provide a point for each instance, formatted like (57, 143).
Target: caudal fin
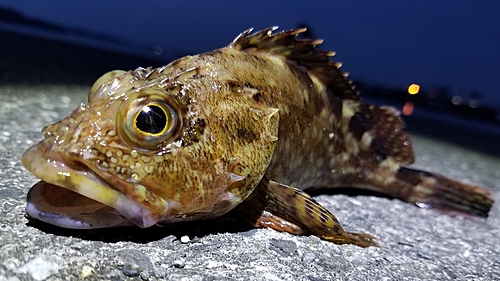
(438, 192)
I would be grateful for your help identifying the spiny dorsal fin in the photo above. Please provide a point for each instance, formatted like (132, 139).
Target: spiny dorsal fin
(384, 126)
(301, 51)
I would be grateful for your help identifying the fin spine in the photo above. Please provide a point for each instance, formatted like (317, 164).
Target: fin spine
(301, 51)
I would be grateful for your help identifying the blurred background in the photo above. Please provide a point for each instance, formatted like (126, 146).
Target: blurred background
(436, 61)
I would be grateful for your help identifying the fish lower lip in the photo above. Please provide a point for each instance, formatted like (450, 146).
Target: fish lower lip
(55, 173)
(62, 207)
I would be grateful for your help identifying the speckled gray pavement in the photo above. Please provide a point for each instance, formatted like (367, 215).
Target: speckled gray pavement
(416, 244)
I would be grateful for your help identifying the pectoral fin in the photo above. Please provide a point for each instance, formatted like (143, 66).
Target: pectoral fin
(291, 210)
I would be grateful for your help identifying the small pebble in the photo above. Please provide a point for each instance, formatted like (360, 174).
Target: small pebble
(76, 246)
(179, 263)
(86, 271)
(144, 275)
(425, 256)
(212, 264)
(308, 257)
(389, 258)
(185, 239)
(130, 272)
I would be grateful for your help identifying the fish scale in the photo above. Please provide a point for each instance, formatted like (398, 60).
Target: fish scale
(246, 127)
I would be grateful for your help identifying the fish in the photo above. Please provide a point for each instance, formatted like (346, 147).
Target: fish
(250, 127)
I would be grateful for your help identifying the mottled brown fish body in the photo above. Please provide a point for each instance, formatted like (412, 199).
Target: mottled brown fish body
(318, 143)
(307, 122)
(249, 125)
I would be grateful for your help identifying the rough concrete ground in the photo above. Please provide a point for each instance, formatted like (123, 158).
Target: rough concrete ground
(416, 244)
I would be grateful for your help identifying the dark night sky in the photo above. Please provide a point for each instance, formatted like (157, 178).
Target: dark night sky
(455, 44)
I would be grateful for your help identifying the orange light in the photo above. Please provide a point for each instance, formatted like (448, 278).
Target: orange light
(408, 108)
(413, 89)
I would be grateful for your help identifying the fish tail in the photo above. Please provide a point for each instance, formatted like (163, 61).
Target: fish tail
(377, 138)
(428, 190)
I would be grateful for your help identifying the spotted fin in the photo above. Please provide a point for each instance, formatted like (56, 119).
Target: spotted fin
(374, 133)
(380, 145)
(303, 52)
(291, 210)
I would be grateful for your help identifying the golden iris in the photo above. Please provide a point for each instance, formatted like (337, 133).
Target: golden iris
(149, 119)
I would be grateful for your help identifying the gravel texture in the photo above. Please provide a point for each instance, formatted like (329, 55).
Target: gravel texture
(416, 244)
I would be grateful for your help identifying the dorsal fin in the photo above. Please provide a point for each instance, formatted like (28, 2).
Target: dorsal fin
(301, 51)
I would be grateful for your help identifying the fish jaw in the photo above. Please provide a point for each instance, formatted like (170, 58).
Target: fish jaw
(67, 209)
(54, 172)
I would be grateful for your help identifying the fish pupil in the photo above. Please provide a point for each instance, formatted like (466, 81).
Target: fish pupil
(152, 119)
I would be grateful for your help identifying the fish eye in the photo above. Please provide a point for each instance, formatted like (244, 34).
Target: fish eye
(149, 120)
(152, 119)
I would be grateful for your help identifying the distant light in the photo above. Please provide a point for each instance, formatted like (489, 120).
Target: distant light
(456, 100)
(413, 89)
(157, 50)
(408, 108)
(474, 103)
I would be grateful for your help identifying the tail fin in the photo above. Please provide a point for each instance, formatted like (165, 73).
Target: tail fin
(428, 190)
(381, 148)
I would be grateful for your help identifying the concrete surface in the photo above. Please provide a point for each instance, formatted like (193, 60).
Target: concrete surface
(417, 244)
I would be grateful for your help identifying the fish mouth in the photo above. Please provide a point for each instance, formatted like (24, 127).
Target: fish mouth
(76, 197)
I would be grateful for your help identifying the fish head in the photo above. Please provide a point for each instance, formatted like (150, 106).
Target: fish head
(152, 146)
